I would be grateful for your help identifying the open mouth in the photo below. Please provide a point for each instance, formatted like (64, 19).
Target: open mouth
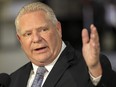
(37, 49)
(41, 49)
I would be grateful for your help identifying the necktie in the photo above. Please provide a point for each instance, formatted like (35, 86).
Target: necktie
(39, 77)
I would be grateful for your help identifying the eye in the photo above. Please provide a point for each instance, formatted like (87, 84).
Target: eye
(44, 29)
(27, 34)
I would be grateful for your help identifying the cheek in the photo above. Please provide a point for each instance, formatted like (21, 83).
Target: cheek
(25, 44)
(53, 39)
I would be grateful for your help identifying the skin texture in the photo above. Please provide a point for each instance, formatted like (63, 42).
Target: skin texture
(41, 40)
(39, 37)
(91, 50)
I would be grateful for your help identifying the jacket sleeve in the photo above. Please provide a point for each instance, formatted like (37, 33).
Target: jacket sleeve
(108, 78)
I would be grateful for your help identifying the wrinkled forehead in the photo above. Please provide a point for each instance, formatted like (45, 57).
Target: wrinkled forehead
(36, 16)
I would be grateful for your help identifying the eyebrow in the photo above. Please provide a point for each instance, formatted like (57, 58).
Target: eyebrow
(28, 30)
(43, 26)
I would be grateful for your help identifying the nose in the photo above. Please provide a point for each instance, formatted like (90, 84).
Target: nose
(36, 37)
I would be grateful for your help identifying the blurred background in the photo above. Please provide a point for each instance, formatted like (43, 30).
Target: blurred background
(74, 15)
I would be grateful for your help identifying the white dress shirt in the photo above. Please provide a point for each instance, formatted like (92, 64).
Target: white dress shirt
(49, 68)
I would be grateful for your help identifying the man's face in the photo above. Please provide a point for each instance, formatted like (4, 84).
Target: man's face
(39, 37)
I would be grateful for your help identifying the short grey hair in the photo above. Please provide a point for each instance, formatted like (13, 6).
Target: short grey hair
(35, 6)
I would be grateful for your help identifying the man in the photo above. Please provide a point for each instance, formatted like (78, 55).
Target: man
(40, 35)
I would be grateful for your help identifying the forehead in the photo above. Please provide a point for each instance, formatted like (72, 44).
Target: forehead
(33, 15)
(32, 18)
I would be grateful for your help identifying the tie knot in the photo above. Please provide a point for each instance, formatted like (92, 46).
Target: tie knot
(41, 70)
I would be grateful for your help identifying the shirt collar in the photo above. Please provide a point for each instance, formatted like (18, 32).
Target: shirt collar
(50, 66)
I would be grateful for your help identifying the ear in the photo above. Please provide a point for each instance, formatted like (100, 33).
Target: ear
(59, 28)
(18, 37)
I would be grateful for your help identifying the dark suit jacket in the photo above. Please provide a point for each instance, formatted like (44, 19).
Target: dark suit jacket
(69, 71)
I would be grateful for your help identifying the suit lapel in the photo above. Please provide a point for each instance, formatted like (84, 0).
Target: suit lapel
(61, 65)
(24, 75)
